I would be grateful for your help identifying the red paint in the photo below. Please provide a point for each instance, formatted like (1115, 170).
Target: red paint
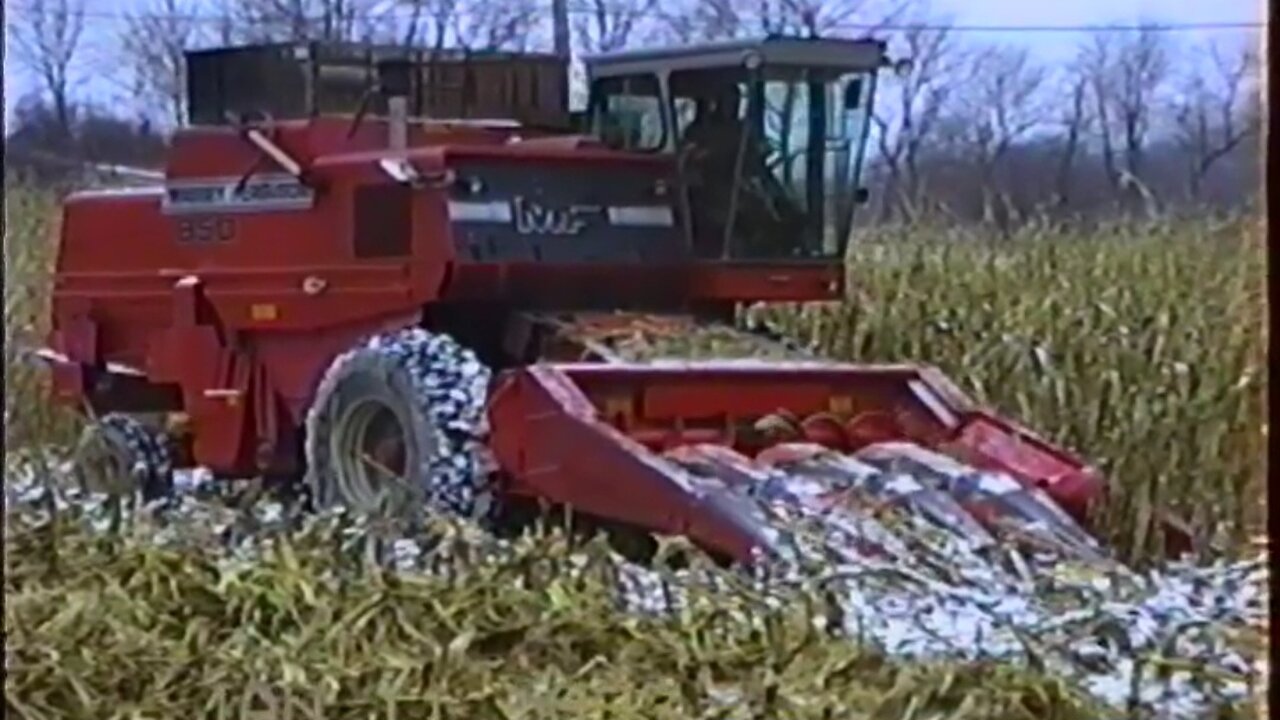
(869, 428)
(824, 429)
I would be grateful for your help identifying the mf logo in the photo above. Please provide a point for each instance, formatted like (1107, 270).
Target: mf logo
(534, 219)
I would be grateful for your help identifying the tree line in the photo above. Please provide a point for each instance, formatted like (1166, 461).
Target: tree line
(1137, 120)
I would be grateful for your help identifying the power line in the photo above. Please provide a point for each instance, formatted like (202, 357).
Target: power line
(1157, 27)
(747, 20)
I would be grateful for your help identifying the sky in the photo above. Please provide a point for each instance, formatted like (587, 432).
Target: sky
(100, 80)
(1086, 12)
(1054, 47)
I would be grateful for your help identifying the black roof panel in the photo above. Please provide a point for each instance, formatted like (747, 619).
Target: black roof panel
(863, 54)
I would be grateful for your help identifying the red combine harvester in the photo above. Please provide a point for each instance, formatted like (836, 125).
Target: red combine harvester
(355, 276)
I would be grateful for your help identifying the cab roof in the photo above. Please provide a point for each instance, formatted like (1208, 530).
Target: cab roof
(837, 53)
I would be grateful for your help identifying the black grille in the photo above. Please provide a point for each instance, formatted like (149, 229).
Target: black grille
(574, 199)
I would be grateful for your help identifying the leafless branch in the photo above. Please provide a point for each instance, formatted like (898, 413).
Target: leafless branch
(606, 25)
(910, 108)
(1128, 72)
(700, 20)
(46, 37)
(1000, 106)
(1216, 110)
(154, 44)
(279, 20)
(1074, 120)
(486, 25)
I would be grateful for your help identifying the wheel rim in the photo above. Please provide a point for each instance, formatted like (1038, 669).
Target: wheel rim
(370, 452)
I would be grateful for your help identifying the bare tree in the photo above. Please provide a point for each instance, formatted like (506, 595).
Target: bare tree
(697, 20)
(1000, 105)
(429, 20)
(489, 25)
(46, 36)
(412, 26)
(1075, 120)
(814, 18)
(285, 20)
(385, 23)
(472, 24)
(606, 25)
(701, 20)
(1128, 71)
(154, 44)
(224, 24)
(1218, 108)
(908, 112)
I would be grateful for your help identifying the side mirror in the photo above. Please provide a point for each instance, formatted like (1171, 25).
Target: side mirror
(853, 94)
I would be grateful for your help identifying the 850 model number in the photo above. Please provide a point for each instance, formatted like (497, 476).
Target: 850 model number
(204, 231)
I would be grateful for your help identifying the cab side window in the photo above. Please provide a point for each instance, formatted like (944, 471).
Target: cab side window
(628, 113)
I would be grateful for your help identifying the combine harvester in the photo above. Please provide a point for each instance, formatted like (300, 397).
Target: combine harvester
(336, 286)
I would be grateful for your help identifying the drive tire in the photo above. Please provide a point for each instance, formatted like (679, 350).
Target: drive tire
(397, 429)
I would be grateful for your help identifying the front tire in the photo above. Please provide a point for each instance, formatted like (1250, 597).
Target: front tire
(397, 428)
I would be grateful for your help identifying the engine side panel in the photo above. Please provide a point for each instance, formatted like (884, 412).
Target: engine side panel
(513, 212)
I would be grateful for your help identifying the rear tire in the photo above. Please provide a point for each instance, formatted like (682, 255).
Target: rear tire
(118, 455)
(397, 428)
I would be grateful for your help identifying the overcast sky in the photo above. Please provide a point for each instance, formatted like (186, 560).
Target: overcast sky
(107, 83)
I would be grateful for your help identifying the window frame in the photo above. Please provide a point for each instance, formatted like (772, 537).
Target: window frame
(598, 108)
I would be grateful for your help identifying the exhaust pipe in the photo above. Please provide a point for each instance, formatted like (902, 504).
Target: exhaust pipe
(394, 80)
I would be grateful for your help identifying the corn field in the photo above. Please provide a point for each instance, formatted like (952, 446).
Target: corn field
(1142, 347)
(30, 420)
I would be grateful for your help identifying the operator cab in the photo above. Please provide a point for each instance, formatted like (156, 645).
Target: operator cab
(768, 136)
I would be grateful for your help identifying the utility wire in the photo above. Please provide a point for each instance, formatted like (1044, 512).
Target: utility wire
(747, 20)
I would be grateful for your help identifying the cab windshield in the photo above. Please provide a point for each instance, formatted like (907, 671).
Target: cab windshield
(771, 158)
